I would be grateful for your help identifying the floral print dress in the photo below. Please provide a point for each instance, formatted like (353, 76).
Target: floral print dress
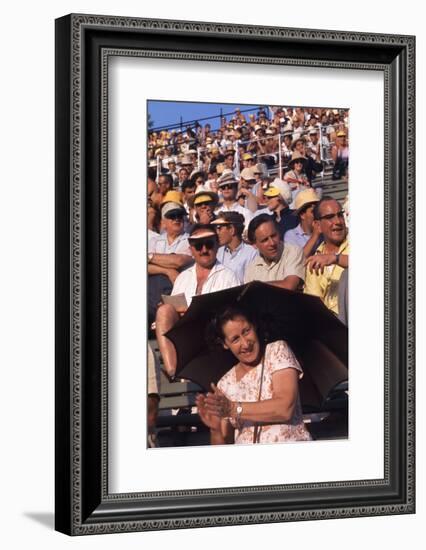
(278, 355)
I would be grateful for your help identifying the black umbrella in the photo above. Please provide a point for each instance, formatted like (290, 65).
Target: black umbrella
(317, 337)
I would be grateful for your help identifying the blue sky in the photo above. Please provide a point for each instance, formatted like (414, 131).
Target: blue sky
(165, 113)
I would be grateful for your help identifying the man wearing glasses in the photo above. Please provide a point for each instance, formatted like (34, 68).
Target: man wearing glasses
(206, 275)
(325, 269)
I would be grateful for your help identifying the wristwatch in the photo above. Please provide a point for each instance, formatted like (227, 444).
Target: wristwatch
(337, 258)
(239, 411)
(150, 256)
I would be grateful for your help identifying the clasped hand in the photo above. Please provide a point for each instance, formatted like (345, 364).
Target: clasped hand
(213, 407)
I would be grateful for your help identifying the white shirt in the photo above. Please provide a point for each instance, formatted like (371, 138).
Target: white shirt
(152, 239)
(219, 278)
(236, 207)
(179, 246)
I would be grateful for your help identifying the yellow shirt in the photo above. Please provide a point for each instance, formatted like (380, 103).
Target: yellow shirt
(326, 285)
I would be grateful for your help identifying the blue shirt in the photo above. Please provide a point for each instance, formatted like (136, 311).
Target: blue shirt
(298, 237)
(238, 259)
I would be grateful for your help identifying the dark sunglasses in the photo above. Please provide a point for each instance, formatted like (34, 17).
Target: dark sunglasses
(329, 217)
(227, 186)
(208, 243)
(178, 216)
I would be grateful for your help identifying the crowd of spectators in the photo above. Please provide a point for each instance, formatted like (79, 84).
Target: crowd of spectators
(269, 137)
(242, 203)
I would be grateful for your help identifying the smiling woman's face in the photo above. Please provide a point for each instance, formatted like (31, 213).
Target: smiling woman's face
(241, 339)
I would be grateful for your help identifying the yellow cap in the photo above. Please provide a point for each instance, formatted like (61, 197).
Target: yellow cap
(203, 198)
(172, 196)
(272, 192)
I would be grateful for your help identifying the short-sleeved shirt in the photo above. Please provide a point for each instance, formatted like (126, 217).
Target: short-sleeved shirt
(152, 239)
(238, 259)
(278, 356)
(179, 246)
(220, 277)
(326, 285)
(291, 262)
(299, 238)
(240, 209)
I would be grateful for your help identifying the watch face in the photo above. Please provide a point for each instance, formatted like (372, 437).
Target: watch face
(239, 409)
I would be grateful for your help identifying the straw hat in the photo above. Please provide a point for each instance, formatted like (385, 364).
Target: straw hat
(307, 196)
(227, 178)
(248, 174)
(297, 157)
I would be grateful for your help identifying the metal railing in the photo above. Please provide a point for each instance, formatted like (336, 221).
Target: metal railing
(281, 158)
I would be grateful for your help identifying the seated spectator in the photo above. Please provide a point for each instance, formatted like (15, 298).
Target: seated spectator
(325, 268)
(278, 263)
(248, 160)
(214, 157)
(296, 176)
(237, 412)
(165, 184)
(233, 252)
(247, 189)
(279, 197)
(183, 175)
(340, 156)
(229, 161)
(187, 163)
(198, 179)
(188, 191)
(307, 234)
(172, 171)
(228, 186)
(168, 255)
(206, 275)
(203, 204)
(286, 150)
(311, 165)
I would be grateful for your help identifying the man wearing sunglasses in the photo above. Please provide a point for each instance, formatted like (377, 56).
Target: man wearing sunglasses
(326, 271)
(228, 186)
(206, 275)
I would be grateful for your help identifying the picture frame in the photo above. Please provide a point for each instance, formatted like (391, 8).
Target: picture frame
(84, 44)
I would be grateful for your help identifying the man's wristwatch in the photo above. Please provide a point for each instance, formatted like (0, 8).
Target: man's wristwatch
(337, 258)
(150, 256)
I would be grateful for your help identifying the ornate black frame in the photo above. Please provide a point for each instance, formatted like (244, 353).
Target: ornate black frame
(83, 45)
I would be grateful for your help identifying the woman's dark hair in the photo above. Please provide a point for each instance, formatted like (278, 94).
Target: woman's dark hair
(197, 175)
(214, 330)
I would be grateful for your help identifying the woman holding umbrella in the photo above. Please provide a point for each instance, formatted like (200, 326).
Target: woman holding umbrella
(257, 401)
